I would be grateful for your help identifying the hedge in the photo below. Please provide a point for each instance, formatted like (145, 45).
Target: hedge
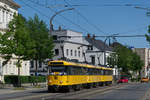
(13, 79)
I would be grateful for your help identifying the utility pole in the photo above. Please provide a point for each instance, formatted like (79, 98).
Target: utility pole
(108, 37)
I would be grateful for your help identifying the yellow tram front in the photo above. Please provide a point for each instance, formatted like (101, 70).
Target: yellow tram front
(57, 74)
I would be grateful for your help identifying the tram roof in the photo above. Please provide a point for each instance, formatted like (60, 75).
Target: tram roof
(61, 62)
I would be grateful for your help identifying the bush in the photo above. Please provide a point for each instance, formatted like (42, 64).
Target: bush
(13, 79)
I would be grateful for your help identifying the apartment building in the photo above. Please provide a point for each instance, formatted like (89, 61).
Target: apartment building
(7, 9)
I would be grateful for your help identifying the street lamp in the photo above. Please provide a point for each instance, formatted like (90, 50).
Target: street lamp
(51, 26)
(51, 19)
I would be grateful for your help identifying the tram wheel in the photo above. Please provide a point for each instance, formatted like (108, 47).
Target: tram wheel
(77, 87)
(51, 89)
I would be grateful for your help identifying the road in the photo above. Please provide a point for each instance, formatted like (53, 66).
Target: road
(131, 91)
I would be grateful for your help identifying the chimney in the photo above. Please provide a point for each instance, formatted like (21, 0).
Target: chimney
(88, 35)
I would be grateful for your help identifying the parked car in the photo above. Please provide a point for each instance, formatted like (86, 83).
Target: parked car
(144, 79)
(123, 80)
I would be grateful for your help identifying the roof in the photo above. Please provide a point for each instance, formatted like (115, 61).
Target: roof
(15, 4)
(99, 44)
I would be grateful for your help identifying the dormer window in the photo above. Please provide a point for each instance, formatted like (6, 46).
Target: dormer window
(90, 47)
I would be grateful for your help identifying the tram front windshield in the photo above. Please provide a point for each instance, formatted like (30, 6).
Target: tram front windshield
(58, 69)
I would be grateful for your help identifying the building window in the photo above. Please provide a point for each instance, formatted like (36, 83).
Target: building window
(75, 52)
(15, 62)
(79, 53)
(3, 16)
(90, 47)
(71, 52)
(55, 37)
(56, 51)
(32, 64)
(6, 17)
(67, 52)
(40, 64)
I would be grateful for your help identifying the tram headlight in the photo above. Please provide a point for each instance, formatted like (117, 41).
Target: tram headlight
(51, 73)
(61, 82)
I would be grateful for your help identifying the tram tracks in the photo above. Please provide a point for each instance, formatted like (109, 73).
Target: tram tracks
(75, 94)
(84, 93)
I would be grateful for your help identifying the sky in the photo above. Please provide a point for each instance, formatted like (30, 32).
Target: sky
(99, 17)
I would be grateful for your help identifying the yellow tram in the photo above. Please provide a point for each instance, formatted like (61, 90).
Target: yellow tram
(65, 75)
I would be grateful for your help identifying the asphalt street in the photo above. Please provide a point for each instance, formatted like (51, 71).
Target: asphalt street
(131, 91)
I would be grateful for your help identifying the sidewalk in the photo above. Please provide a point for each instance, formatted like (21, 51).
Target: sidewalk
(147, 95)
(26, 87)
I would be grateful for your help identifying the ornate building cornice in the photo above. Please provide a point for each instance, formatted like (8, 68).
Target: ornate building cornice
(11, 3)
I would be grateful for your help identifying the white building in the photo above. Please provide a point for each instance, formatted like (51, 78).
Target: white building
(71, 45)
(7, 10)
(41, 69)
(68, 46)
(97, 51)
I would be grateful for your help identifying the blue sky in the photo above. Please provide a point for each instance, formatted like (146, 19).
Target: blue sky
(105, 17)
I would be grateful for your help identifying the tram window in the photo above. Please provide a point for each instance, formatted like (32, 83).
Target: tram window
(98, 71)
(104, 72)
(110, 72)
(69, 70)
(95, 72)
(76, 71)
(89, 71)
(84, 71)
(72, 70)
(58, 69)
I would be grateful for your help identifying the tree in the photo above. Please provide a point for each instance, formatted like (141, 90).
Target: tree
(16, 42)
(112, 60)
(39, 33)
(127, 59)
(137, 63)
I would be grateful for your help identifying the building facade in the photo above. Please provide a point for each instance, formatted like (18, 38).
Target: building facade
(7, 9)
(71, 45)
(144, 54)
(97, 51)
(68, 46)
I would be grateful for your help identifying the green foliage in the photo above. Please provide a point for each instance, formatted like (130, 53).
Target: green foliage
(13, 79)
(127, 59)
(112, 60)
(39, 33)
(27, 40)
(16, 40)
